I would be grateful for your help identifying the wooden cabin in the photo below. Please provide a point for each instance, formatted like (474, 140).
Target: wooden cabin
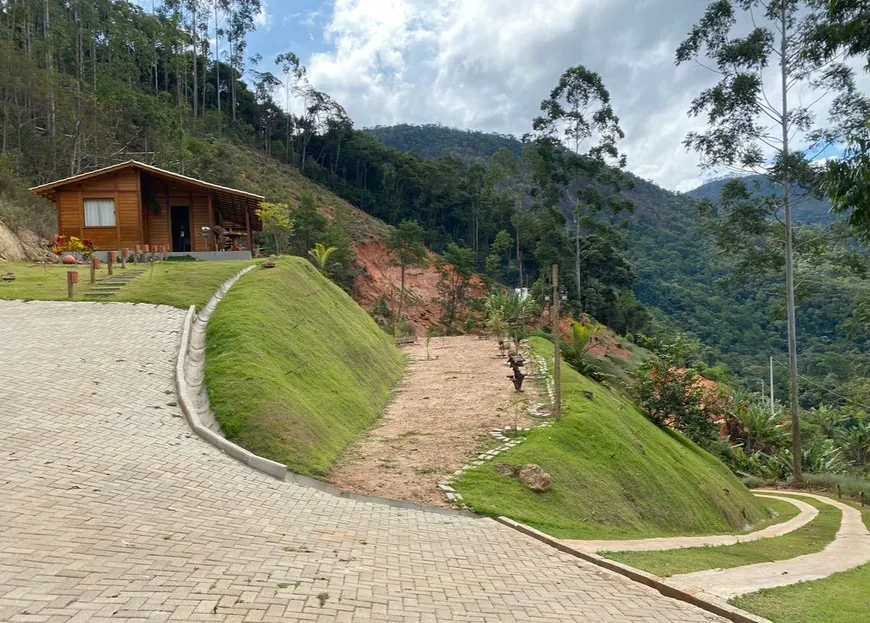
(133, 203)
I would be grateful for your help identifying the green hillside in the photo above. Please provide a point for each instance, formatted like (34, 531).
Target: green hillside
(295, 369)
(807, 209)
(614, 474)
(681, 278)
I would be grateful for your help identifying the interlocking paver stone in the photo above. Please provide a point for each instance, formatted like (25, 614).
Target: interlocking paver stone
(113, 510)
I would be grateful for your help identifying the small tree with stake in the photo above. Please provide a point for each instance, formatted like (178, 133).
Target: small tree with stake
(405, 242)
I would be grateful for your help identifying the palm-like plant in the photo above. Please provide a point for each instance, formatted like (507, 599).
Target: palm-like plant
(760, 430)
(856, 444)
(321, 254)
(828, 421)
(515, 311)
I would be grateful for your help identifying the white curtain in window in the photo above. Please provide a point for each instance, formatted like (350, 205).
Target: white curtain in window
(99, 212)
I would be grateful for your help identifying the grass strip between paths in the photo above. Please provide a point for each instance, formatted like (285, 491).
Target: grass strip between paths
(812, 538)
(841, 598)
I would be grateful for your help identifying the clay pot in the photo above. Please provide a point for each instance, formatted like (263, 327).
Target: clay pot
(68, 259)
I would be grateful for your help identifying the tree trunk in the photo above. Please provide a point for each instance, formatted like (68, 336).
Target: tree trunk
(577, 256)
(195, 74)
(796, 448)
(401, 297)
(217, 65)
(49, 66)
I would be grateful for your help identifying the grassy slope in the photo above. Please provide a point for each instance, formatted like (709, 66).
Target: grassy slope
(178, 284)
(807, 540)
(248, 170)
(841, 598)
(35, 282)
(615, 475)
(295, 369)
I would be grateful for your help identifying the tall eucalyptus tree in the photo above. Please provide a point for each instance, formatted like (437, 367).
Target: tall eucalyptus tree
(761, 119)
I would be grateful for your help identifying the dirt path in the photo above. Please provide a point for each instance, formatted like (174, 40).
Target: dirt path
(440, 418)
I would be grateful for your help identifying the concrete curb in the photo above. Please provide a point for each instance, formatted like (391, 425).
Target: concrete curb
(194, 404)
(193, 411)
(697, 598)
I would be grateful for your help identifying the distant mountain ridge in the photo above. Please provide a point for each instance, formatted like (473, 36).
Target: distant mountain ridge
(807, 210)
(463, 144)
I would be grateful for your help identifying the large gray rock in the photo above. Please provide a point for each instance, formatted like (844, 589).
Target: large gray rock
(535, 478)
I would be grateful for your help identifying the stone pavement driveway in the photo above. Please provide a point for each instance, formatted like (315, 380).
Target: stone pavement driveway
(110, 509)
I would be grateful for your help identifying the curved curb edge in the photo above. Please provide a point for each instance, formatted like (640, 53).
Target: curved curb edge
(188, 405)
(699, 599)
(272, 468)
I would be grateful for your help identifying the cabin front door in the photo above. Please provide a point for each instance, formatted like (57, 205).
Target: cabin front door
(181, 240)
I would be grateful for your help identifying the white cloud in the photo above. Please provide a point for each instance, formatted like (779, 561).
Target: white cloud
(487, 64)
(263, 19)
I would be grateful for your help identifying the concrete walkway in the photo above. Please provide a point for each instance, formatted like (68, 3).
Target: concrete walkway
(112, 510)
(806, 515)
(849, 549)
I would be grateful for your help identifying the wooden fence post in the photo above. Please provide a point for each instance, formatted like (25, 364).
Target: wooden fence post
(113, 257)
(557, 358)
(125, 253)
(93, 269)
(72, 278)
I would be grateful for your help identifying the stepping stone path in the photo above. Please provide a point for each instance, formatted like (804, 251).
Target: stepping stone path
(509, 437)
(108, 287)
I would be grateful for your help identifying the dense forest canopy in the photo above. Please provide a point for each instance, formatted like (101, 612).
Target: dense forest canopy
(87, 84)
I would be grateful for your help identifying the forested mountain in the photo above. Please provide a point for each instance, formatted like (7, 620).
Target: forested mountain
(433, 141)
(680, 274)
(807, 209)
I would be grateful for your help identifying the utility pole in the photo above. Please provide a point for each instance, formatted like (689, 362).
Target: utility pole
(772, 404)
(557, 357)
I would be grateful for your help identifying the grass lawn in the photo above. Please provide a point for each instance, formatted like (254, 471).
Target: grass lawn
(178, 284)
(841, 598)
(813, 537)
(614, 474)
(295, 368)
(37, 282)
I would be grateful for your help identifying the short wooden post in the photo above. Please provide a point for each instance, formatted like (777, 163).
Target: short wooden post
(93, 269)
(862, 499)
(72, 278)
(557, 354)
(839, 493)
(138, 256)
(113, 257)
(125, 253)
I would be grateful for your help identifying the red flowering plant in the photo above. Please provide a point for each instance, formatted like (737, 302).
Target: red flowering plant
(58, 246)
(88, 248)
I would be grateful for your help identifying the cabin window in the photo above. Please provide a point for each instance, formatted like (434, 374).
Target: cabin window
(99, 212)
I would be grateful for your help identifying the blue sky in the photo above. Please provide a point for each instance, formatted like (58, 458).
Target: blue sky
(487, 64)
